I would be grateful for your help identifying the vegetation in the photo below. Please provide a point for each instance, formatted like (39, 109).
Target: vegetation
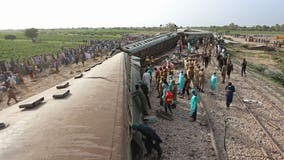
(239, 52)
(257, 29)
(245, 46)
(10, 37)
(51, 40)
(275, 76)
(31, 33)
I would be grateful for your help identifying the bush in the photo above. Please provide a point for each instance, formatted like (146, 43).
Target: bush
(277, 76)
(258, 68)
(245, 46)
(10, 37)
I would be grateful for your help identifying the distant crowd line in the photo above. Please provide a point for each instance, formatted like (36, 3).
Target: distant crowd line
(13, 71)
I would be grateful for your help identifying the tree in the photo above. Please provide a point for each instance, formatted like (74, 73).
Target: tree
(171, 26)
(10, 37)
(31, 33)
(233, 26)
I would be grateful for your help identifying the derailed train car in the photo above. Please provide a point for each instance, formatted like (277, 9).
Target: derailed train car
(196, 35)
(153, 46)
(93, 122)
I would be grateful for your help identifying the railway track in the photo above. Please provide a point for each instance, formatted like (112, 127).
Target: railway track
(267, 115)
(215, 141)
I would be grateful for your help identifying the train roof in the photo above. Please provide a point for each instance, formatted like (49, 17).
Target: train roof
(141, 45)
(89, 124)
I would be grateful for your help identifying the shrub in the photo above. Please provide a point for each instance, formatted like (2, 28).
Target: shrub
(245, 46)
(277, 76)
(10, 37)
(257, 68)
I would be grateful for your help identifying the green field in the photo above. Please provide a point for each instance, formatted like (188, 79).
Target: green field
(51, 40)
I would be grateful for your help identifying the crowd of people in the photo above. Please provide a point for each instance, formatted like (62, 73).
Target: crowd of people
(171, 82)
(13, 72)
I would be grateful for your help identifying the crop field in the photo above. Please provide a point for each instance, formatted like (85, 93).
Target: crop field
(51, 40)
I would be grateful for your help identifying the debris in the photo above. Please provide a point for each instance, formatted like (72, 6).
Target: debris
(252, 101)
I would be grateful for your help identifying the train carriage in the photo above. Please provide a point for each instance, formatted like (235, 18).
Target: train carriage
(91, 123)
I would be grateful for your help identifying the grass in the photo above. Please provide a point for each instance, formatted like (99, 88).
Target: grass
(25, 48)
(258, 67)
(261, 69)
(275, 76)
(51, 40)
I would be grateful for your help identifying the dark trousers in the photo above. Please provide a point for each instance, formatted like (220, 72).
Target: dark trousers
(229, 100)
(228, 74)
(243, 71)
(148, 100)
(194, 116)
(150, 145)
(167, 106)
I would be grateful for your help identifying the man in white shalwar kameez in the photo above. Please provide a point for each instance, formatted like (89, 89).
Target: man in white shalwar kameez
(147, 79)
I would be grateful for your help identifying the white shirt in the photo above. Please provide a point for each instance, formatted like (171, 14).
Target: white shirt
(146, 78)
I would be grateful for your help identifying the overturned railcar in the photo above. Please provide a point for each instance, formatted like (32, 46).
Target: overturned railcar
(91, 123)
(196, 34)
(153, 46)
